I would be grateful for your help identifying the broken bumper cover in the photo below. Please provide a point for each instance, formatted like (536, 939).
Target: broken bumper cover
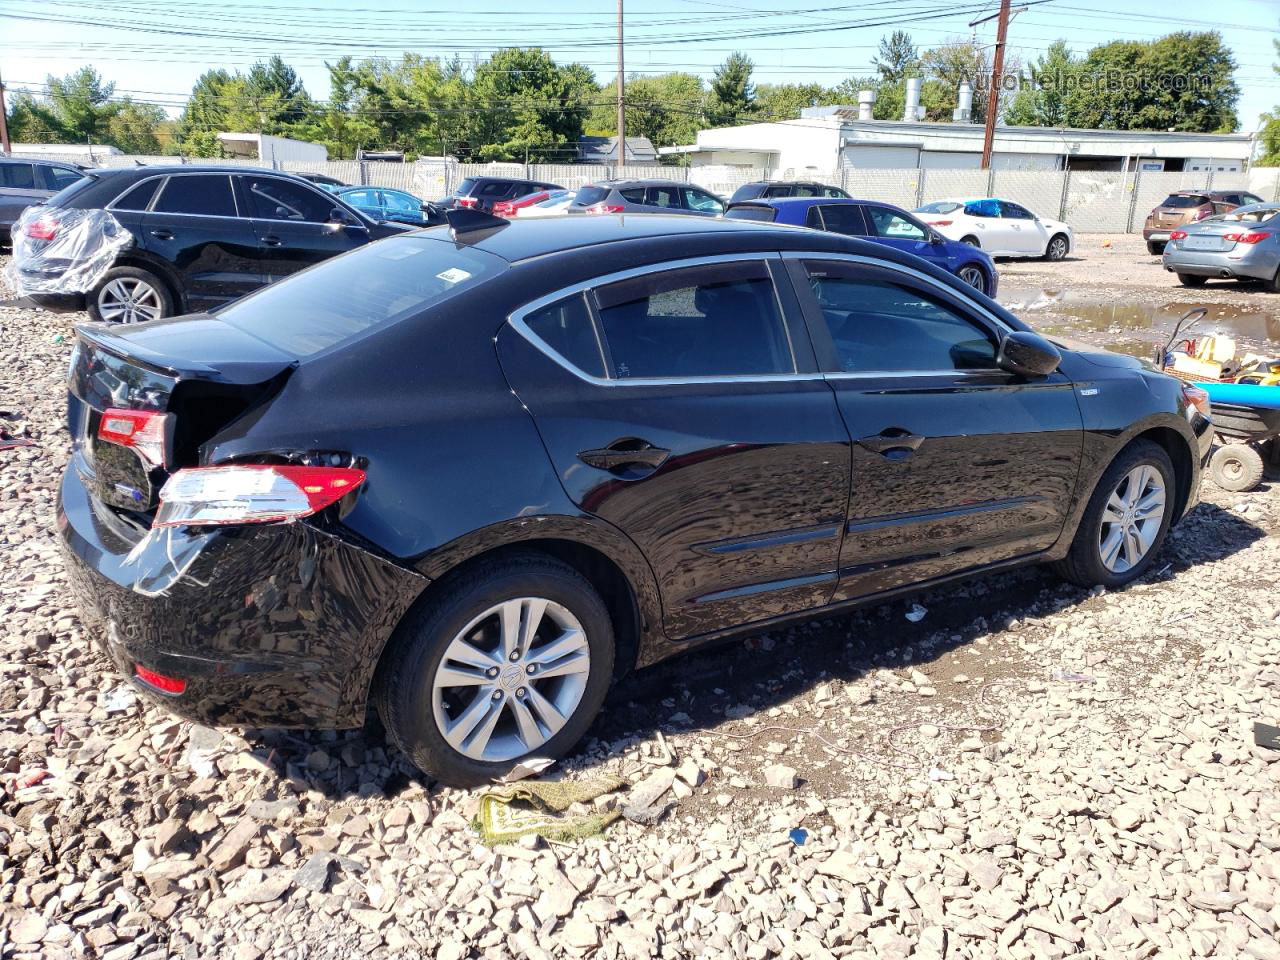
(270, 626)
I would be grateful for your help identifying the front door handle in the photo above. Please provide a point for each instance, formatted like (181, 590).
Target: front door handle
(273, 241)
(162, 234)
(626, 453)
(893, 443)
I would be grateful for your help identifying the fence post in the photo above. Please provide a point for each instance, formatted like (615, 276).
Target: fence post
(991, 181)
(920, 175)
(1062, 201)
(364, 175)
(1133, 198)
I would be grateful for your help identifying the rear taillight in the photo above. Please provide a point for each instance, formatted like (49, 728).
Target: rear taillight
(606, 208)
(251, 493)
(1245, 237)
(140, 430)
(158, 681)
(465, 202)
(939, 223)
(1178, 235)
(45, 228)
(1197, 399)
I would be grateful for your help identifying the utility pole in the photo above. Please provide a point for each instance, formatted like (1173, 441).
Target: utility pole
(997, 72)
(622, 116)
(5, 146)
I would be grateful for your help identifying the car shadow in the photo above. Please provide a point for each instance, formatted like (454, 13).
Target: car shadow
(694, 692)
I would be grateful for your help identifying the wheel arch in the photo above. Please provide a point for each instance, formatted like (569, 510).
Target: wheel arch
(1175, 445)
(142, 261)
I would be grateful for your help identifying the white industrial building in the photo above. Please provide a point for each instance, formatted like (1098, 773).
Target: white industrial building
(831, 138)
(271, 150)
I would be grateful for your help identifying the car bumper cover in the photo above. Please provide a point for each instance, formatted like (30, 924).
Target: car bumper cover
(277, 625)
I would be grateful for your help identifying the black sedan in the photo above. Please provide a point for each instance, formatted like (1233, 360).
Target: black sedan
(475, 473)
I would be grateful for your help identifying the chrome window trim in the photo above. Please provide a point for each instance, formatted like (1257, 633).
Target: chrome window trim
(516, 320)
(911, 272)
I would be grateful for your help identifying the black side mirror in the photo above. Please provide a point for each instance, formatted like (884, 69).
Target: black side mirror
(338, 218)
(1027, 355)
(936, 238)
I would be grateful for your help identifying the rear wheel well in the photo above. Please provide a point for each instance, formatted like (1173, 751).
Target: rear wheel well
(605, 576)
(1175, 446)
(175, 293)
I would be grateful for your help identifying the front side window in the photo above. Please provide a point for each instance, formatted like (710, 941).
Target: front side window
(702, 201)
(714, 320)
(668, 197)
(274, 199)
(843, 218)
(878, 324)
(1011, 211)
(202, 194)
(401, 202)
(17, 176)
(894, 226)
(361, 198)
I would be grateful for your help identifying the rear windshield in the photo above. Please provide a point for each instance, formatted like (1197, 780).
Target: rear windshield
(372, 286)
(465, 187)
(763, 214)
(589, 195)
(64, 196)
(1179, 201)
(940, 206)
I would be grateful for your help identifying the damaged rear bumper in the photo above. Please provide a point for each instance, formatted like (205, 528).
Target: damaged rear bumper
(278, 625)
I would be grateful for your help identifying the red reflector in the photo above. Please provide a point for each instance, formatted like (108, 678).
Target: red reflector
(140, 430)
(174, 685)
(42, 229)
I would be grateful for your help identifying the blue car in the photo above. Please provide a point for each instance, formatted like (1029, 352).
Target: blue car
(383, 203)
(879, 222)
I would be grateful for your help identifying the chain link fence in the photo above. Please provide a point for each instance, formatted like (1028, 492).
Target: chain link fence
(1104, 201)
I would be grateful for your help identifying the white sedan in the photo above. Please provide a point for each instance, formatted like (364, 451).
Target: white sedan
(1000, 227)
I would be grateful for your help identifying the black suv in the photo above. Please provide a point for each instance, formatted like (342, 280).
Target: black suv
(474, 475)
(24, 183)
(481, 193)
(201, 235)
(771, 189)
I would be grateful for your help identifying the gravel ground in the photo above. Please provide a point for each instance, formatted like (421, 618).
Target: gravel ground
(1031, 770)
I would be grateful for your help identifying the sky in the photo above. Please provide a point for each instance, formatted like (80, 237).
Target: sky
(153, 50)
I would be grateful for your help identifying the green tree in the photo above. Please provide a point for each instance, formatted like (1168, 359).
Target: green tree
(784, 101)
(898, 57)
(1269, 134)
(276, 93)
(136, 128)
(732, 93)
(666, 108)
(525, 106)
(1041, 100)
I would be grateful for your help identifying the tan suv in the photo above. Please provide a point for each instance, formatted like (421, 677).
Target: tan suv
(1188, 206)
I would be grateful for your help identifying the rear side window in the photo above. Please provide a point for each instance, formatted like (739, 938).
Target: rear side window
(566, 328)
(778, 191)
(18, 176)
(372, 286)
(715, 320)
(982, 208)
(274, 199)
(880, 325)
(1180, 202)
(845, 218)
(633, 195)
(761, 214)
(205, 194)
(588, 196)
(139, 197)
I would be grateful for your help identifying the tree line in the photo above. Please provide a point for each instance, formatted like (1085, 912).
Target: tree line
(521, 105)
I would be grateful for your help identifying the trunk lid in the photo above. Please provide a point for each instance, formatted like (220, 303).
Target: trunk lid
(149, 368)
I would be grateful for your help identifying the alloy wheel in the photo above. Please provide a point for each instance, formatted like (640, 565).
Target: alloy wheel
(1057, 248)
(129, 300)
(510, 680)
(974, 278)
(1132, 518)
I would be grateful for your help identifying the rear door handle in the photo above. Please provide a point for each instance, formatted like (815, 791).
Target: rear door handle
(162, 234)
(623, 453)
(273, 241)
(893, 443)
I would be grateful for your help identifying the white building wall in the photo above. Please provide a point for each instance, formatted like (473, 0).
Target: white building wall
(796, 145)
(283, 150)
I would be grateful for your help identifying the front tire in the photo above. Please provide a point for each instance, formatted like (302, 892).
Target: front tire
(511, 662)
(1126, 521)
(974, 276)
(1191, 280)
(1057, 247)
(129, 295)
(1237, 467)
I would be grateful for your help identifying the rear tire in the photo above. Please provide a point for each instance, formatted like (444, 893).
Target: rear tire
(972, 241)
(1272, 286)
(448, 662)
(1086, 564)
(1155, 248)
(1191, 279)
(129, 295)
(1237, 467)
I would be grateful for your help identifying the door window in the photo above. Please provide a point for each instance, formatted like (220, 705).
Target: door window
(1011, 211)
(664, 197)
(274, 199)
(362, 198)
(843, 218)
(18, 176)
(894, 226)
(880, 324)
(702, 201)
(782, 190)
(203, 194)
(715, 320)
(982, 208)
(401, 203)
(834, 192)
(60, 177)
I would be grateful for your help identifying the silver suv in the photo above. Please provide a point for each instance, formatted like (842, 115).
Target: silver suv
(27, 182)
(646, 196)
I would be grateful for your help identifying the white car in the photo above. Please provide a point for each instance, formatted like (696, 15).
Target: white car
(1000, 227)
(555, 205)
